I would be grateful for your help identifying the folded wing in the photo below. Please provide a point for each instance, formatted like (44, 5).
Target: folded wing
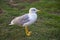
(20, 20)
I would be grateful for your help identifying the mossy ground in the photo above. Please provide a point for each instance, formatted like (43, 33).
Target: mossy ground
(47, 26)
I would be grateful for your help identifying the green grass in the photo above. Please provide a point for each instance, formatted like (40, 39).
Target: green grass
(47, 26)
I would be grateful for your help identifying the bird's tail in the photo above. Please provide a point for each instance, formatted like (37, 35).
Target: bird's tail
(11, 24)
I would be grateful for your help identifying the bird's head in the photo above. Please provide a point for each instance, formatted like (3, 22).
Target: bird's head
(33, 10)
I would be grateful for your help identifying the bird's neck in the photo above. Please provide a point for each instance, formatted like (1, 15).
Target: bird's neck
(32, 14)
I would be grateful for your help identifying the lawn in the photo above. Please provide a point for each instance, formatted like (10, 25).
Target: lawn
(47, 27)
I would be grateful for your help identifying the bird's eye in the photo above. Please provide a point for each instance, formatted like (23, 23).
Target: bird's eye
(33, 10)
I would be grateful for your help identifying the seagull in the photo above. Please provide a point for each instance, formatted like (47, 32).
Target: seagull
(26, 20)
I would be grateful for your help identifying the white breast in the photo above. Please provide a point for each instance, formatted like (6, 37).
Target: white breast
(33, 17)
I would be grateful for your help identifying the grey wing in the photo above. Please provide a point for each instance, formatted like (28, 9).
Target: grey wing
(21, 19)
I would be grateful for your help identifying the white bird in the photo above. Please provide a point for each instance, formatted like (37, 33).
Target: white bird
(26, 20)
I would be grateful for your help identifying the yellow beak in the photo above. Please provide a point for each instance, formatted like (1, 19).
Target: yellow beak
(38, 10)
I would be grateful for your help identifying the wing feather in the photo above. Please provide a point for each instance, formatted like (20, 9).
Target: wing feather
(20, 20)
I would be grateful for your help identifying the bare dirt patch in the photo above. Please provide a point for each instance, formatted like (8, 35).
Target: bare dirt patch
(1, 11)
(31, 1)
